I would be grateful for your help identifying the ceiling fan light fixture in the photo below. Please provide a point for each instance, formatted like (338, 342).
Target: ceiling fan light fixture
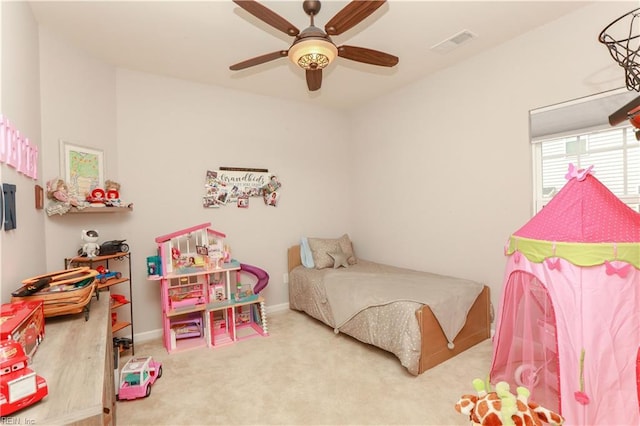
(313, 53)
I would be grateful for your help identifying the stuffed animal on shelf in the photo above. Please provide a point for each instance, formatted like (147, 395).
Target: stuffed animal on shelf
(91, 248)
(60, 201)
(96, 198)
(112, 193)
(501, 407)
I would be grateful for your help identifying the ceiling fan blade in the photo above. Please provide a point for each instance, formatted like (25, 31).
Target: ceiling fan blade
(268, 16)
(314, 79)
(368, 56)
(351, 15)
(258, 60)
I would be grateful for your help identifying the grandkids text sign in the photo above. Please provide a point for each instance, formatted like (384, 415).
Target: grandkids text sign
(236, 185)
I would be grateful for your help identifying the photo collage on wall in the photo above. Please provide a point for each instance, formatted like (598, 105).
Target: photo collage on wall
(236, 186)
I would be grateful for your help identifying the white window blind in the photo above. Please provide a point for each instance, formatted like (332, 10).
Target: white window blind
(613, 152)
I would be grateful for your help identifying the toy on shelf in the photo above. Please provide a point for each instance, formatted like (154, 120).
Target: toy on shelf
(96, 198)
(112, 194)
(20, 386)
(119, 299)
(137, 376)
(501, 407)
(91, 248)
(60, 202)
(105, 274)
(109, 196)
(113, 247)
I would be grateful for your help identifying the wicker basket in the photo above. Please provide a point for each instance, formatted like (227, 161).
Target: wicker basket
(70, 297)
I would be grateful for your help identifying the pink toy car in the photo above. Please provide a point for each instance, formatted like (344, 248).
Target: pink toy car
(137, 376)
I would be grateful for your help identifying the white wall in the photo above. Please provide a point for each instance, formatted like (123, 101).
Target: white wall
(78, 106)
(454, 149)
(22, 253)
(170, 132)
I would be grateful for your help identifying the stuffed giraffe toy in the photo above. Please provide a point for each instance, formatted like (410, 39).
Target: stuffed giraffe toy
(503, 408)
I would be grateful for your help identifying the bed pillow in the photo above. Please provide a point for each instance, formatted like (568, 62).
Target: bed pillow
(347, 248)
(339, 258)
(321, 247)
(306, 257)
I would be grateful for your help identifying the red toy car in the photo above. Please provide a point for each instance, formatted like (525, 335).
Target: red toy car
(19, 385)
(104, 274)
(137, 376)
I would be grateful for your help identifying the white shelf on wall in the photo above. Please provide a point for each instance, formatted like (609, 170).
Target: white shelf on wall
(95, 210)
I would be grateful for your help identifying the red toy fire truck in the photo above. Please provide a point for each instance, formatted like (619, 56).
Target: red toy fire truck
(19, 385)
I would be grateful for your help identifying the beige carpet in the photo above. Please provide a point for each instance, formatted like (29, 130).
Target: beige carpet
(302, 374)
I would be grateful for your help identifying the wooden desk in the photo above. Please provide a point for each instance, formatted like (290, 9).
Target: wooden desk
(76, 360)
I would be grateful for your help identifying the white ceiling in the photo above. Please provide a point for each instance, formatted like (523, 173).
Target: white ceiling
(198, 41)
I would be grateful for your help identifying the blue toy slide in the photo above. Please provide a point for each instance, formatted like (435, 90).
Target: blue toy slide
(260, 274)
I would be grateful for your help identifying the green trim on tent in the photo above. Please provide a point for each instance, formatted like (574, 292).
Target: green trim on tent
(580, 254)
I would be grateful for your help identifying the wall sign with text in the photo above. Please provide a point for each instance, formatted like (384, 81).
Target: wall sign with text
(235, 186)
(16, 150)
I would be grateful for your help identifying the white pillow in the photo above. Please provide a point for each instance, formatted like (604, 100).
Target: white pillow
(305, 253)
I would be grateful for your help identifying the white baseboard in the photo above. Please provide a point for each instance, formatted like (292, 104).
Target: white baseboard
(277, 308)
(145, 336)
(148, 335)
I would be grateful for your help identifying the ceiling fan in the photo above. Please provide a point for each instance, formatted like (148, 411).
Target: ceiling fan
(313, 48)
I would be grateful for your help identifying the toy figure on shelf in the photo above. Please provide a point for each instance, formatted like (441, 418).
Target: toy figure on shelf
(112, 193)
(91, 248)
(96, 198)
(60, 200)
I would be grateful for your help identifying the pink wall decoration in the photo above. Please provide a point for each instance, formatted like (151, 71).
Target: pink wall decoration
(16, 150)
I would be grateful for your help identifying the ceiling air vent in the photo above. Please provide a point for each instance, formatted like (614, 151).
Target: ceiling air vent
(454, 41)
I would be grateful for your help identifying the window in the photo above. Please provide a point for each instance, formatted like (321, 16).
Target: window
(613, 152)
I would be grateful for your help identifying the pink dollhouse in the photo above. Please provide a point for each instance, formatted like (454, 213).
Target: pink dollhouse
(197, 274)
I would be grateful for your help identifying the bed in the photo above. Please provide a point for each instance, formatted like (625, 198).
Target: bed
(405, 327)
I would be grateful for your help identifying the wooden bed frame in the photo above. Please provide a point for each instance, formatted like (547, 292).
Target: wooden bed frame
(434, 349)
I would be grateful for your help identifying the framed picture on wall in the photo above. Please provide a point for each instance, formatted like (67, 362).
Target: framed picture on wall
(39, 195)
(82, 168)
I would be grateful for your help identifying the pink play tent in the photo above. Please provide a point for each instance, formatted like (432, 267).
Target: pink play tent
(568, 325)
